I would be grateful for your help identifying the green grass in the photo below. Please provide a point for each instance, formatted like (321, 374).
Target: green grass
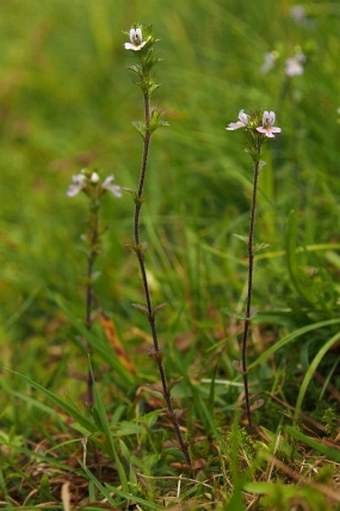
(67, 101)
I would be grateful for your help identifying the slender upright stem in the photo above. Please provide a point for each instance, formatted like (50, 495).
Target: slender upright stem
(146, 288)
(89, 296)
(247, 321)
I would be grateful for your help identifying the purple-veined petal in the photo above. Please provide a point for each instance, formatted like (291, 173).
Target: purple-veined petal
(78, 183)
(242, 122)
(235, 126)
(108, 185)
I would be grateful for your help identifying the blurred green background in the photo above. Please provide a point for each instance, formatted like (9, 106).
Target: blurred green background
(67, 101)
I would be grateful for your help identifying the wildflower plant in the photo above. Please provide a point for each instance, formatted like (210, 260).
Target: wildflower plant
(293, 65)
(258, 128)
(90, 184)
(142, 43)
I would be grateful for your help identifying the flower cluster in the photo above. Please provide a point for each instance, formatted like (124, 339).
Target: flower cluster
(246, 121)
(89, 182)
(294, 66)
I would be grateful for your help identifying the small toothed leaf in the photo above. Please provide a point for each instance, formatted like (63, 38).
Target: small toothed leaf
(241, 238)
(136, 69)
(174, 382)
(159, 307)
(140, 308)
(153, 387)
(137, 249)
(143, 246)
(233, 314)
(256, 405)
(129, 190)
(164, 124)
(140, 127)
(237, 365)
(153, 87)
(156, 355)
(261, 246)
(178, 413)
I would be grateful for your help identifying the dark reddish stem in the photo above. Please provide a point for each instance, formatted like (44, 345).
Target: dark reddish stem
(157, 355)
(89, 295)
(247, 321)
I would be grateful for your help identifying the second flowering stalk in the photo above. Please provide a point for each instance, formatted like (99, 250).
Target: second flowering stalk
(143, 47)
(258, 128)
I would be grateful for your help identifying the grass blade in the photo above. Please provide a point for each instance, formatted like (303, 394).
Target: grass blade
(311, 370)
(99, 406)
(333, 454)
(107, 491)
(291, 337)
(99, 345)
(70, 410)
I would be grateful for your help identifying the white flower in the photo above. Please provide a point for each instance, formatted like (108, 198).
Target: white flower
(136, 40)
(242, 122)
(269, 60)
(78, 183)
(298, 13)
(294, 65)
(108, 185)
(267, 128)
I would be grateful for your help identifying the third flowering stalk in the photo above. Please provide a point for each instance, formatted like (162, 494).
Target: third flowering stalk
(90, 184)
(142, 44)
(258, 128)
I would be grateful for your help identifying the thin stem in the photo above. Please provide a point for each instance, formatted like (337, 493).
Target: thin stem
(247, 321)
(89, 295)
(147, 294)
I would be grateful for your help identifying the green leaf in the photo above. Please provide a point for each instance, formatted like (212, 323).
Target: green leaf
(232, 314)
(133, 498)
(136, 68)
(311, 370)
(99, 345)
(295, 272)
(44, 489)
(140, 127)
(333, 454)
(261, 246)
(244, 239)
(105, 493)
(262, 164)
(159, 307)
(266, 488)
(141, 308)
(108, 490)
(105, 426)
(70, 410)
(290, 338)
(127, 428)
(201, 408)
